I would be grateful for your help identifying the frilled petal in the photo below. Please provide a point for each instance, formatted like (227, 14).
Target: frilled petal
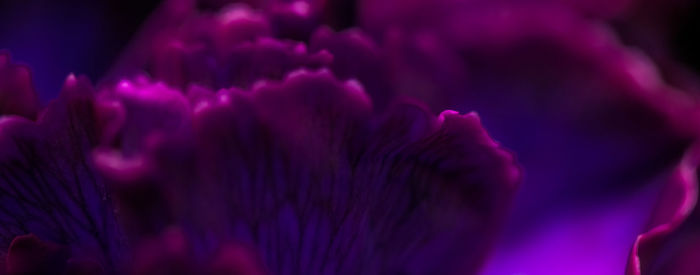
(180, 41)
(17, 95)
(356, 56)
(47, 183)
(243, 65)
(306, 173)
(269, 59)
(590, 119)
(131, 110)
(228, 49)
(295, 19)
(288, 19)
(133, 114)
(671, 245)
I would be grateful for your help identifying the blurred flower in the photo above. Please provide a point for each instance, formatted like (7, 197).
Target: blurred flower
(297, 176)
(597, 128)
(253, 138)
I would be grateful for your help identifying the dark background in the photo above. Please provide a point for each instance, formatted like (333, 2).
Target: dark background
(57, 37)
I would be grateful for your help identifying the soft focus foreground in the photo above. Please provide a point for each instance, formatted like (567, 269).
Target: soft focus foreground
(309, 137)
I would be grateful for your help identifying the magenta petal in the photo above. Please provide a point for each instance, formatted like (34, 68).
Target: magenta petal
(135, 114)
(132, 110)
(671, 246)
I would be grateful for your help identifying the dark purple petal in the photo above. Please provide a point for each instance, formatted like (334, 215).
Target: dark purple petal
(294, 19)
(29, 255)
(17, 95)
(132, 110)
(356, 56)
(224, 50)
(306, 173)
(236, 259)
(164, 255)
(170, 253)
(182, 45)
(268, 59)
(134, 113)
(48, 186)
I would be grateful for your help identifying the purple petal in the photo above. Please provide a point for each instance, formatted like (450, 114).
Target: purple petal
(228, 49)
(135, 113)
(356, 56)
(294, 19)
(268, 59)
(306, 173)
(179, 42)
(132, 110)
(47, 180)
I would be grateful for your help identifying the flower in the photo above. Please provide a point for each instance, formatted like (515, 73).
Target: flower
(583, 112)
(253, 138)
(299, 175)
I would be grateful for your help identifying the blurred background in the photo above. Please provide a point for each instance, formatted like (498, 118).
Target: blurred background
(85, 36)
(56, 38)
